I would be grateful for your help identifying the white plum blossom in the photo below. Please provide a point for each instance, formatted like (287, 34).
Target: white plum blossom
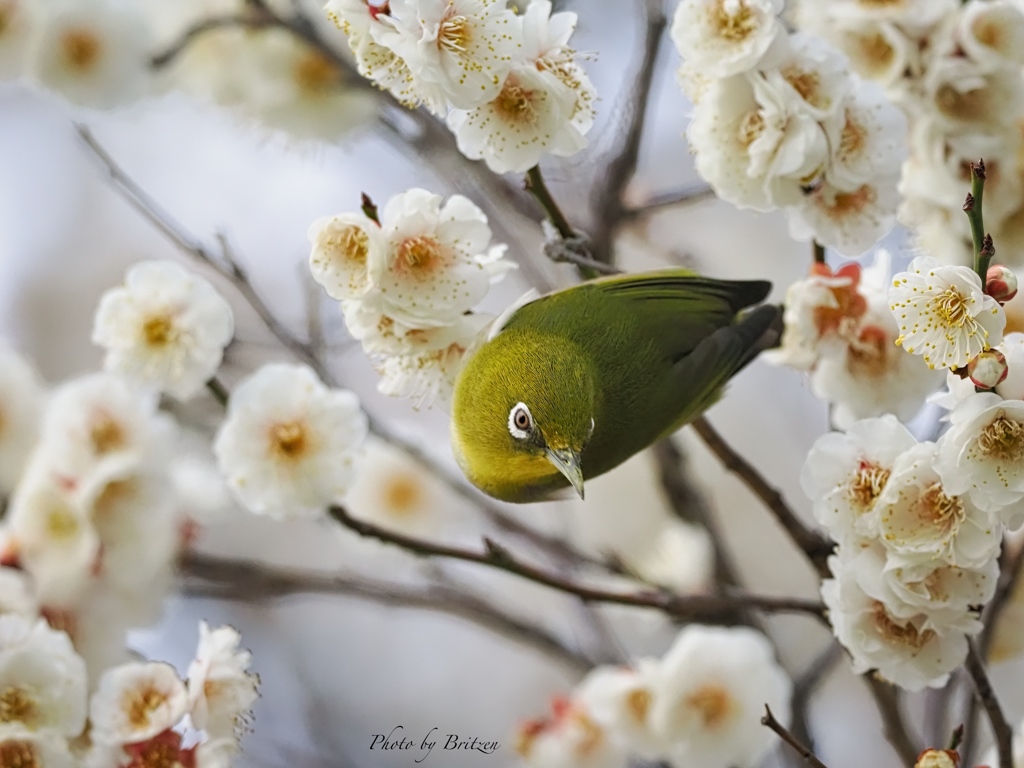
(43, 685)
(165, 328)
(91, 52)
(46, 749)
(846, 472)
(919, 519)
(463, 47)
(288, 444)
(867, 139)
(544, 106)
(16, 19)
(992, 33)
(349, 254)
(21, 406)
(136, 701)
(220, 687)
(570, 738)
(17, 594)
(811, 76)
(434, 272)
(849, 220)
(944, 314)
(681, 557)
(902, 649)
(721, 38)
(710, 693)
(982, 454)
(619, 699)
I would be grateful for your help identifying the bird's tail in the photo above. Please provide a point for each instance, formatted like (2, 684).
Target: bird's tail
(761, 328)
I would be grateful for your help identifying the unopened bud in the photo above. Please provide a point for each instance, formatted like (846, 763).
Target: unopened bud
(1000, 283)
(938, 758)
(988, 369)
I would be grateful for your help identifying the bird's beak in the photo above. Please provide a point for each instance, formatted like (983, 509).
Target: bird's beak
(568, 463)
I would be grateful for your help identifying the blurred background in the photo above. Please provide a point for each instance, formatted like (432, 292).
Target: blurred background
(342, 661)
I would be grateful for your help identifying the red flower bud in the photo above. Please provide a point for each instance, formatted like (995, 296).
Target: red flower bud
(1000, 283)
(988, 369)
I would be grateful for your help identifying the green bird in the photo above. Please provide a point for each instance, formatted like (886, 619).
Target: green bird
(573, 383)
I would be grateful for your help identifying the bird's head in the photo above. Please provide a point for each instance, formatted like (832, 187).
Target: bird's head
(523, 413)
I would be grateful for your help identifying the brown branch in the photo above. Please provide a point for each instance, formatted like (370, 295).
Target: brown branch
(808, 757)
(216, 577)
(894, 725)
(714, 609)
(815, 546)
(695, 193)
(1001, 729)
(606, 201)
(806, 685)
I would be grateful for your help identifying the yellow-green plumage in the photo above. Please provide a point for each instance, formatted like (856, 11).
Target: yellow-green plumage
(604, 369)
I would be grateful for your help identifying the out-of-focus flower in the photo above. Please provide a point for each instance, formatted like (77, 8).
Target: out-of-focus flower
(220, 687)
(920, 519)
(619, 699)
(943, 313)
(288, 443)
(49, 749)
(348, 256)
(725, 37)
(681, 557)
(818, 313)
(43, 684)
(845, 474)
(570, 738)
(17, 594)
(992, 34)
(710, 693)
(463, 47)
(165, 327)
(867, 139)
(849, 220)
(136, 701)
(16, 18)
(92, 52)
(21, 401)
(902, 650)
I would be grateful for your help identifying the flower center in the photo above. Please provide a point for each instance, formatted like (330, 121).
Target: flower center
(938, 509)
(732, 20)
(868, 354)
(867, 484)
(852, 140)
(402, 494)
(139, 705)
(951, 306)
(19, 754)
(808, 85)
(987, 32)
(1003, 440)
(106, 435)
(638, 703)
(515, 103)
(845, 204)
(351, 244)
(288, 440)
(896, 633)
(62, 524)
(962, 105)
(453, 36)
(81, 49)
(876, 53)
(712, 704)
(16, 706)
(315, 74)
(158, 330)
(751, 128)
(419, 255)
(591, 735)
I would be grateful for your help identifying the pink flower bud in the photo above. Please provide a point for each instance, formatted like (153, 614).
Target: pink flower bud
(988, 369)
(938, 758)
(1000, 283)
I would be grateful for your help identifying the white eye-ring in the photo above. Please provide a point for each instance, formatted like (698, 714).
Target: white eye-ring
(520, 421)
(591, 427)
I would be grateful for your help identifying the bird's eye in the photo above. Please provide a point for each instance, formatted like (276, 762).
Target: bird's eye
(520, 422)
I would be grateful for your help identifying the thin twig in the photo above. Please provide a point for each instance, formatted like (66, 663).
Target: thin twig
(806, 685)
(210, 576)
(808, 756)
(218, 390)
(618, 170)
(816, 547)
(1001, 729)
(674, 197)
(894, 725)
(707, 608)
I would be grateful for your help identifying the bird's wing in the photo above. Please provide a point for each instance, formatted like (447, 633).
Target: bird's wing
(674, 309)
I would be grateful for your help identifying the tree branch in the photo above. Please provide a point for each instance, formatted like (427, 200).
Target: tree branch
(816, 547)
(606, 201)
(669, 199)
(216, 577)
(897, 733)
(806, 685)
(808, 757)
(714, 609)
(1001, 729)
